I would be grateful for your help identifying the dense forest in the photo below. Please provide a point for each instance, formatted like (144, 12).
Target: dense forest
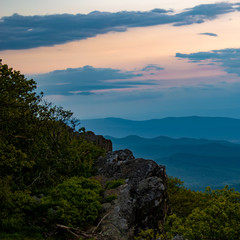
(46, 169)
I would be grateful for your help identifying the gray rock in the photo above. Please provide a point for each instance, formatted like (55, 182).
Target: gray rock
(141, 202)
(98, 140)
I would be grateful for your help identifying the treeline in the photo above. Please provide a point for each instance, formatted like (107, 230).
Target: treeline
(213, 214)
(45, 163)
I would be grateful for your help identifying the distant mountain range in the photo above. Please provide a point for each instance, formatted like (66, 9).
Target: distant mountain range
(201, 151)
(216, 128)
(198, 162)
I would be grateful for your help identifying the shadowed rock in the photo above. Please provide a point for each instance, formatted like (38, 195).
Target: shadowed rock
(98, 140)
(141, 202)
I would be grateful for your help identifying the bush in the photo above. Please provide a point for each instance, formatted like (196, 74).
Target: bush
(213, 214)
(110, 198)
(75, 202)
(114, 183)
(209, 215)
(16, 207)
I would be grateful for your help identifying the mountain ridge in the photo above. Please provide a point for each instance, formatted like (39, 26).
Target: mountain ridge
(216, 128)
(198, 162)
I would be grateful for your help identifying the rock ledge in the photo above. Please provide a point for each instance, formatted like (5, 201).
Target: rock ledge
(141, 202)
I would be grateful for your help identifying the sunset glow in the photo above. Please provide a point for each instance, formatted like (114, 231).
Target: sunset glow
(126, 51)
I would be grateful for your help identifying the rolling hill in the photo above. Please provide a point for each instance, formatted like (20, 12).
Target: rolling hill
(216, 128)
(198, 162)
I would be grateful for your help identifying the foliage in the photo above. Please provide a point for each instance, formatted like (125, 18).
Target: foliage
(37, 144)
(147, 234)
(213, 214)
(218, 220)
(15, 206)
(77, 201)
(182, 200)
(114, 183)
(110, 198)
(41, 152)
(19, 106)
(24, 235)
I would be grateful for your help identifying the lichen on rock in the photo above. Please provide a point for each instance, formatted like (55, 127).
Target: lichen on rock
(141, 202)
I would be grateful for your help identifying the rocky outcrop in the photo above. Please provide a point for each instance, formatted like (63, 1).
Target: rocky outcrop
(98, 140)
(141, 202)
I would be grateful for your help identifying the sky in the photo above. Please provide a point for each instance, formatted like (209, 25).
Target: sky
(130, 59)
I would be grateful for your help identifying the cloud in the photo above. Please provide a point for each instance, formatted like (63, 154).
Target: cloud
(228, 58)
(203, 12)
(23, 32)
(221, 99)
(87, 80)
(152, 67)
(209, 34)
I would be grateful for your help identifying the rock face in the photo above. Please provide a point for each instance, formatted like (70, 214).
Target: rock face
(98, 140)
(141, 202)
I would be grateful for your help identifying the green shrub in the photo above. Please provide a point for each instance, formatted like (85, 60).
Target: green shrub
(209, 215)
(114, 183)
(75, 202)
(213, 214)
(16, 208)
(110, 198)
(22, 236)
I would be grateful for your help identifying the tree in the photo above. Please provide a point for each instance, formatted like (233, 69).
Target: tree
(18, 104)
(213, 214)
(39, 144)
(40, 148)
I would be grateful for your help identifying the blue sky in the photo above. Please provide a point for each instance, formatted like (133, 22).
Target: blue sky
(129, 59)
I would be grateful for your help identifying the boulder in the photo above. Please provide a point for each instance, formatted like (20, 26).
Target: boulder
(141, 202)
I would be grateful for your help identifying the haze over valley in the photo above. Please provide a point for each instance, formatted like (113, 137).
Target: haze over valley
(202, 151)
